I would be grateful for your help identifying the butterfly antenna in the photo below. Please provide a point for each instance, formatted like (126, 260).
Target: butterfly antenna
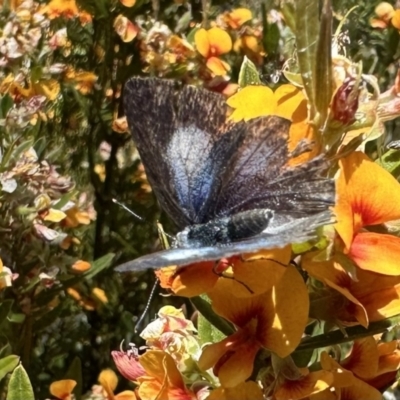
(128, 209)
(146, 309)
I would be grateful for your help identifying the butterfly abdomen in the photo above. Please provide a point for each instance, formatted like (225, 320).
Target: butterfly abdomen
(225, 230)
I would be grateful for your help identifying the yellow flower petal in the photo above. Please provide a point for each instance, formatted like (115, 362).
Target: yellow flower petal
(202, 43)
(54, 215)
(100, 294)
(109, 381)
(128, 3)
(289, 309)
(260, 271)
(252, 102)
(396, 19)
(289, 99)
(49, 88)
(217, 66)
(384, 10)
(126, 395)
(238, 17)
(219, 40)
(81, 266)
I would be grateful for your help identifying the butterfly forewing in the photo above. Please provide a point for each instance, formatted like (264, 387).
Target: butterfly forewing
(184, 141)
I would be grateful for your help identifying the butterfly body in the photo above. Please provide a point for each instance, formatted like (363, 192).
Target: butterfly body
(227, 185)
(225, 230)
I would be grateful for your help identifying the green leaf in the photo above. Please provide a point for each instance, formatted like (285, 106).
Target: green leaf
(5, 350)
(208, 333)
(64, 200)
(348, 334)
(14, 152)
(248, 74)
(17, 318)
(202, 304)
(6, 102)
(323, 67)
(307, 29)
(271, 37)
(390, 161)
(99, 265)
(19, 386)
(75, 373)
(5, 308)
(7, 365)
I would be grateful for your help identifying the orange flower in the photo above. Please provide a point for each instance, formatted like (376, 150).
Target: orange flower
(345, 385)
(244, 391)
(372, 297)
(356, 377)
(76, 217)
(236, 18)
(83, 80)
(162, 380)
(126, 30)
(63, 389)
(109, 381)
(211, 44)
(253, 274)
(386, 14)
(367, 195)
(287, 101)
(67, 9)
(306, 384)
(275, 320)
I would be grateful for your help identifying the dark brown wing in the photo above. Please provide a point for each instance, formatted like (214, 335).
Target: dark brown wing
(184, 142)
(260, 178)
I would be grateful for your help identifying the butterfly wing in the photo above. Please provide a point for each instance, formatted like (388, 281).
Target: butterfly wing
(261, 178)
(184, 143)
(293, 231)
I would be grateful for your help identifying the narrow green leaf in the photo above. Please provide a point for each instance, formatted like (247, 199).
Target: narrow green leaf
(390, 161)
(17, 318)
(271, 34)
(99, 265)
(64, 200)
(307, 29)
(162, 236)
(323, 69)
(7, 365)
(248, 74)
(20, 386)
(5, 350)
(348, 334)
(5, 308)
(14, 152)
(204, 308)
(6, 102)
(75, 373)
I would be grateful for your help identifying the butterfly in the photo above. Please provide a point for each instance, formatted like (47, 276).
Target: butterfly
(226, 185)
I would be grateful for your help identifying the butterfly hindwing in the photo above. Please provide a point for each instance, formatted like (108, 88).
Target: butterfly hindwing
(294, 231)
